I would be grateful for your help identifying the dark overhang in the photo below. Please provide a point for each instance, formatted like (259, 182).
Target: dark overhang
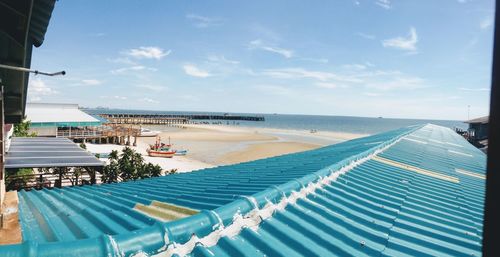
(44, 152)
(23, 24)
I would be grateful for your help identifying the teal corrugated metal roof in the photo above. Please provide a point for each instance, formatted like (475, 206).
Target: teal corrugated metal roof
(415, 191)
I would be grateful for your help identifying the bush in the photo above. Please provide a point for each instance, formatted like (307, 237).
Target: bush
(22, 129)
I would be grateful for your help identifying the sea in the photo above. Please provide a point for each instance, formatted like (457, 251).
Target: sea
(347, 124)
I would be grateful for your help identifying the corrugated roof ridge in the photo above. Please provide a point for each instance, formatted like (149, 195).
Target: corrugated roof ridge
(442, 245)
(253, 217)
(160, 235)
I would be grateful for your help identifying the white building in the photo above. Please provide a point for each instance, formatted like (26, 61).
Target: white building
(51, 119)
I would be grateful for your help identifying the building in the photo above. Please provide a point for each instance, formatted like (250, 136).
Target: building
(415, 191)
(478, 131)
(62, 120)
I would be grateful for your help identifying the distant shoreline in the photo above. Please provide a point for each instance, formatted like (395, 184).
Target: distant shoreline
(214, 145)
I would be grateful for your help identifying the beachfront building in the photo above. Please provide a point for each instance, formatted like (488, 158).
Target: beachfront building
(61, 120)
(478, 131)
(415, 191)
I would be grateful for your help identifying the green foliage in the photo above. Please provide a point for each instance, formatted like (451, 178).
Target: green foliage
(83, 146)
(149, 170)
(128, 165)
(111, 172)
(22, 129)
(18, 178)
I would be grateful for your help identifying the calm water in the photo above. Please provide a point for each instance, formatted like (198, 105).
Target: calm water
(349, 124)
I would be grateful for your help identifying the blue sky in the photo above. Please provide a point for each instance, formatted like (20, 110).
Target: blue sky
(406, 59)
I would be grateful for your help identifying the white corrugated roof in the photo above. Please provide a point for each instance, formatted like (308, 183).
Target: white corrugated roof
(48, 112)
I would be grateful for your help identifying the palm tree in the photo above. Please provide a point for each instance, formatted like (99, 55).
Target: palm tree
(113, 155)
(111, 172)
(130, 163)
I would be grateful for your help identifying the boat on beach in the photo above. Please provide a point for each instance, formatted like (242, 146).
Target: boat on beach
(148, 133)
(160, 149)
(161, 153)
(180, 152)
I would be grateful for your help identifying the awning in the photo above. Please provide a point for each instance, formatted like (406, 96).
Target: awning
(43, 152)
(23, 24)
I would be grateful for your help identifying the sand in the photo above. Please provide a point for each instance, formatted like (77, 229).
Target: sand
(181, 163)
(214, 145)
(265, 150)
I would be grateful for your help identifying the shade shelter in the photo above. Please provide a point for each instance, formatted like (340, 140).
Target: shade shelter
(44, 152)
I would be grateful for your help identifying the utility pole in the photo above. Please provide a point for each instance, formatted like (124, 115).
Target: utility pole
(468, 112)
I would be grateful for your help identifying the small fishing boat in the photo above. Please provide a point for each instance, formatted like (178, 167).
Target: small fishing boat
(162, 152)
(180, 152)
(148, 133)
(160, 149)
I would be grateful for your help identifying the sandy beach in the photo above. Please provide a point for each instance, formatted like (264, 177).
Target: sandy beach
(214, 145)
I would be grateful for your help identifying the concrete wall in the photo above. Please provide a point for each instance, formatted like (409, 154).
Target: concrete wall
(44, 131)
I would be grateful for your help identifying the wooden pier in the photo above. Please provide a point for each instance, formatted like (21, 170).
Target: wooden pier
(110, 134)
(172, 119)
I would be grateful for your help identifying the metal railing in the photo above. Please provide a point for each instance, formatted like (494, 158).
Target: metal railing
(50, 180)
(79, 133)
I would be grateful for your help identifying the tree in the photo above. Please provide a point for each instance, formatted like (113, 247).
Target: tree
(149, 170)
(127, 170)
(129, 165)
(111, 172)
(155, 170)
(22, 129)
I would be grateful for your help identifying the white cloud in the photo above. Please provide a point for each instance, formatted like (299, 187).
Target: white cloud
(148, 52)
(327, 85)
(366, 36)
(132, 68)
(369, 64)
(354, 66)
(91, 82)
(149, 100)
(398, 83)
(386, 4)
(298, 73)
(34, 98)
(37, 88)
(203, 21)
(474, 89)
(404, 43)
(115, 97)
(151, 87)
(188, 97)
(486, 23)
(194, 71)
(274, 89)
(221, 59)
(371, 94)
(258, 44)
(319, 60)
(122, 60)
